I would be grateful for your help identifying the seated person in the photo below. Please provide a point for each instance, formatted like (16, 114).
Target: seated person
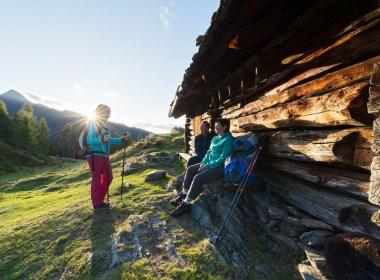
(202, 143)
(210, 168)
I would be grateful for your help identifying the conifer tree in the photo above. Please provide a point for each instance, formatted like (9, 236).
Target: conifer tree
(5, 124)
(42, 137)
(25, 128)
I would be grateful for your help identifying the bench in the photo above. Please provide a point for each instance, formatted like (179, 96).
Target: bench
(184, 156)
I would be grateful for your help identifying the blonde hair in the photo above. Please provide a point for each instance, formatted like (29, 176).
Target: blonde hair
(102, 110)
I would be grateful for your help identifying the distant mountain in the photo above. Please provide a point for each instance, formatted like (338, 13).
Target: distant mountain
(57, 119)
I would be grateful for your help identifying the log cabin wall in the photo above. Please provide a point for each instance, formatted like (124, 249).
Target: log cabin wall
(303, 76)
(303, 90)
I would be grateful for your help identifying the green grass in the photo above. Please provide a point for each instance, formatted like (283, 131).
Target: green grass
(47, 225)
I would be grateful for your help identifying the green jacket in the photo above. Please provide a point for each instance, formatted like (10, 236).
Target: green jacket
(220, 148)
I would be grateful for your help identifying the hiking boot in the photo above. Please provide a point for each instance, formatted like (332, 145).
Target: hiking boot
(177, 201)
(102, 206)
(181, 209)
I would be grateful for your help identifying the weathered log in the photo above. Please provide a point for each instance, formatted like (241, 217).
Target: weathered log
(276, 213)
(344, 106)
(294, 211)
(322, 204)
(374, 186)
(356, 183)
(348, 147)
(316, 224)
(292, 227)
(331, 81)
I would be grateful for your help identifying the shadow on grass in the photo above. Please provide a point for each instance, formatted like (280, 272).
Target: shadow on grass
(102, 228)
(27, 185)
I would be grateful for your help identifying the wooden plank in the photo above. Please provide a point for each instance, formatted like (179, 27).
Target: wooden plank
(322, 204)
(344, 106)
(345, 148)
(374, 91)
(184, 156)
(331, 81)
(347, 181)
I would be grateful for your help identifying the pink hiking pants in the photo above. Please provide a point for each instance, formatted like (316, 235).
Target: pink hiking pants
(101, 174)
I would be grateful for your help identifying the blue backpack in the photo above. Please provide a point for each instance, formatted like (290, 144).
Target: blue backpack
(236, 165)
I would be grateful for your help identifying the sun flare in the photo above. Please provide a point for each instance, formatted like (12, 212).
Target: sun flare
(91, 116)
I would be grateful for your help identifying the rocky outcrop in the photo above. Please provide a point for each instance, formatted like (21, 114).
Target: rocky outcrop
(285, 223)
(155, 175)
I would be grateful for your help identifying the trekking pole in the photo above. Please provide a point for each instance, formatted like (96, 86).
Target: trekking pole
(122, 174)
(236, 198)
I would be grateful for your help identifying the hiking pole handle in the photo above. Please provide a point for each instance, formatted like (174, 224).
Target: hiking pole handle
(122, 172)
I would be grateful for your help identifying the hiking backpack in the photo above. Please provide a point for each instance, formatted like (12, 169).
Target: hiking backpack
(236, 165)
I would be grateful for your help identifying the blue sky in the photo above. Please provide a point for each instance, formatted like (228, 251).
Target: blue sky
(76, 54)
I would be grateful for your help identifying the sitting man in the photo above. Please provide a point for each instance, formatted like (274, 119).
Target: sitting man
(202, 143)
(210, 168)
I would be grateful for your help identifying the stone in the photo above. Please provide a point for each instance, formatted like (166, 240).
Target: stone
(101, 261)
(178, 181)
(309, 273)
(155, 175)
(259, 268)
(200, 211)
(317, 259)
(129, 171)
(276, 213)
(315, 238)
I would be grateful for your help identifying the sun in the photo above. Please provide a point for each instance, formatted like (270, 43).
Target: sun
(91, 116)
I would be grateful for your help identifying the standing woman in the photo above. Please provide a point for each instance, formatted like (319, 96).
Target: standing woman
(97, 141)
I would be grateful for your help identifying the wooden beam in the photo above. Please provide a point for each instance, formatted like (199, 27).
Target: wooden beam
(322, 204)
(344, 106)
(338, 179)
(343, 148)
(326, 83)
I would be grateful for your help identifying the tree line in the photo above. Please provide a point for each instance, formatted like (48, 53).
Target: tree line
(24, 131)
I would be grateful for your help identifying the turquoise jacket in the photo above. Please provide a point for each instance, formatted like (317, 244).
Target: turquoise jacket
(221, 147)
(95, 143)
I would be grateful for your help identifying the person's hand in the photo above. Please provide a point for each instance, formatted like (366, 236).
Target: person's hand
(106, 138)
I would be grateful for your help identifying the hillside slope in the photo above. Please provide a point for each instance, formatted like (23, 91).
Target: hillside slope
(48, 229)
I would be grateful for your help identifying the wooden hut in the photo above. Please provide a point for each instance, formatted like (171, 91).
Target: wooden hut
(303, 76)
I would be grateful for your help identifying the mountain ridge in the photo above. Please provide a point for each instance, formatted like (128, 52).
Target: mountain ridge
(56, 119)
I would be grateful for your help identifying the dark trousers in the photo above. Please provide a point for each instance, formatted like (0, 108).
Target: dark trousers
(195, 177)
(193, 160)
